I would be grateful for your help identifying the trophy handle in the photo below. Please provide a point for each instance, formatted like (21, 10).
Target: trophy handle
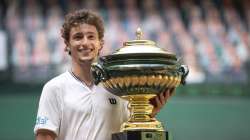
(99, 73)
(184, 70)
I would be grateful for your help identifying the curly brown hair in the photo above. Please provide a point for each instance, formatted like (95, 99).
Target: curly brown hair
(80, 17)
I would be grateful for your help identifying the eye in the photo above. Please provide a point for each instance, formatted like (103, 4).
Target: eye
(77, 36)
(91, 37)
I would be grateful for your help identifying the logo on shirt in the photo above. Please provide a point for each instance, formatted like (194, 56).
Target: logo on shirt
(41, 120)
(112, 101)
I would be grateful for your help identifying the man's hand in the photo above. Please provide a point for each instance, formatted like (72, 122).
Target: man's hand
(160, 100)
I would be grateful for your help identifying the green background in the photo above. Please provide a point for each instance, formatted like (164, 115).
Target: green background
(187, 116)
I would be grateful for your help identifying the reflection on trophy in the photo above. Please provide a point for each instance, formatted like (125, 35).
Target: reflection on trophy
(138, 72)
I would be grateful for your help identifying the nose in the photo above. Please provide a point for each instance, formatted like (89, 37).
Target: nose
(85, 41)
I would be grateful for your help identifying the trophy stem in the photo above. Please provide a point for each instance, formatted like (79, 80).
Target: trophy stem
(140, 111)
(140, 108)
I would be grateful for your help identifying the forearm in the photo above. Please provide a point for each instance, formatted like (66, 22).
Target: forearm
(44, 134)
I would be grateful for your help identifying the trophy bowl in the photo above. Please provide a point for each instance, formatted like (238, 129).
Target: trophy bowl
(138, 72)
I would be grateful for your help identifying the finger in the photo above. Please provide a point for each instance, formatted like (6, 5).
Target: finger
(158, 102)
(167, 95)
(162, 99)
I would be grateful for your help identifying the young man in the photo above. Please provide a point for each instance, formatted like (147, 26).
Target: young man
(71, 107)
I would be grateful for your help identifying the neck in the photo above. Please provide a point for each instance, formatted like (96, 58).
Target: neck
(83, 72)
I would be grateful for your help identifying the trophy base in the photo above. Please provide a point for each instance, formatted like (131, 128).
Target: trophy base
(152, 125)
(141, 135)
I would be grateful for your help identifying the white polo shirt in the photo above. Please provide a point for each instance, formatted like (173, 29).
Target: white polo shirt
(73, 111)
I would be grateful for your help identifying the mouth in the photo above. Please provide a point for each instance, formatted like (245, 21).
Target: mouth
(86, 50)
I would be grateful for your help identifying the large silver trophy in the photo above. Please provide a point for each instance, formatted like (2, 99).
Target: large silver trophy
(138, 72)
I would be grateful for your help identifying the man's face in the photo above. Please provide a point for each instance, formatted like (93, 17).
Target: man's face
(84, 43)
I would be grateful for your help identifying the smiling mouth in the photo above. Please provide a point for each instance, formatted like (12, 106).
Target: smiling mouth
(86, 50)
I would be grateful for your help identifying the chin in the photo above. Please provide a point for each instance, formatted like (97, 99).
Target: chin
(86, 59)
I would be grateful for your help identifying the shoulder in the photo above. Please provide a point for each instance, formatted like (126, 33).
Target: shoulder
(57, 81)
(55, 85)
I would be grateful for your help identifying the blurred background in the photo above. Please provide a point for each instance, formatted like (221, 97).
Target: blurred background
(211, 36)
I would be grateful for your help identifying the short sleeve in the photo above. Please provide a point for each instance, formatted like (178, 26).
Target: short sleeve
(49, 111)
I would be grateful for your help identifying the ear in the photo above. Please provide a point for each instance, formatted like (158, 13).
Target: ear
(101, 44)
(67, 48)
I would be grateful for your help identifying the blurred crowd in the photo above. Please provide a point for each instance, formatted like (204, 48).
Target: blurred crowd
(211, 36)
